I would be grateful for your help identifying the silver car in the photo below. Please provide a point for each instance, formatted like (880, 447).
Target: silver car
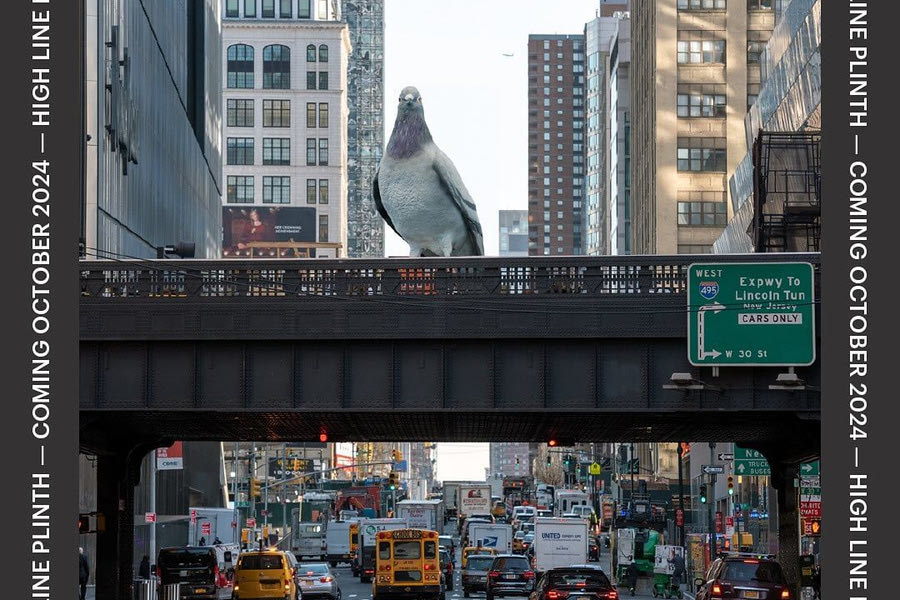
(317, 581)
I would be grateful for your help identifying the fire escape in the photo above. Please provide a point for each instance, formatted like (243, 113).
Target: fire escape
(787, 186)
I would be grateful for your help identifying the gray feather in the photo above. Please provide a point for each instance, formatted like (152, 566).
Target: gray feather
(419, 192)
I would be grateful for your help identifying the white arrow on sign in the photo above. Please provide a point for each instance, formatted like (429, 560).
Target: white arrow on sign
(726, 456)
(806, 467)
(740, 468)
(713, 469)
(703, 353)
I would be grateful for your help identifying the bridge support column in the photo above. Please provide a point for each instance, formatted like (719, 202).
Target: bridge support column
(117, 474)
(784, 480)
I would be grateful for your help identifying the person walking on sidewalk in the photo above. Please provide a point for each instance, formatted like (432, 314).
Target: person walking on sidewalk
(84, 572)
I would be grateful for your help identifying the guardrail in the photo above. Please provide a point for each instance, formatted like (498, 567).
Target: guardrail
(621, 277)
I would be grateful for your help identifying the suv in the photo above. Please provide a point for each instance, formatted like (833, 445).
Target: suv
(473, 577)
(195, 568)
(265, 574)
(509, 575)
(744, 576)
(577, 581)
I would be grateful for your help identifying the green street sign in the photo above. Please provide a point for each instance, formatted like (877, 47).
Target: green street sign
(751, 314)
(749, 462)
(809, 469)
(242, 504)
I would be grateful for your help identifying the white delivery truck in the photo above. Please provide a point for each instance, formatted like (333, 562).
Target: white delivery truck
(491, 535)
(559, 542)
(308, 539)
(450, 497)
(422, 514)
(368, 528)
(567, 499)
(337, 541)
(474, 499)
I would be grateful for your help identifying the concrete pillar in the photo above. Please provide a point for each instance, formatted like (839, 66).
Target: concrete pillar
(784, 480)
(116, 478)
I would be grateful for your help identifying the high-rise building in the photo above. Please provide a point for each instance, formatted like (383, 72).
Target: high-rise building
(510, 459)
(285, 95)
(555, 144)
(620, 139)
(598, 35)
(695, 68)
(365, 124)
(153, 155)
(513, 232)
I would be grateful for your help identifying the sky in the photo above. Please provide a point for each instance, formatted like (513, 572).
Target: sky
(475, 96)
(462, 461)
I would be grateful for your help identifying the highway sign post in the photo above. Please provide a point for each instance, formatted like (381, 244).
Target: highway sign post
(751, 314)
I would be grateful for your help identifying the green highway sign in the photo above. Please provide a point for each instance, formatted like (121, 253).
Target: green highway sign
(809, 469)
(751, 314)
(750, 462)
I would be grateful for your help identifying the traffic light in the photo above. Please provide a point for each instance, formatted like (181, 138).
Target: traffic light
(393, 456)
(703, 497)
(730, 485)
(566, 460)
(815, 526)
(551, 443)
(254, 488)
(323, 437)
(548, 459)
(517, 460)
(84, 523)
(392, 480)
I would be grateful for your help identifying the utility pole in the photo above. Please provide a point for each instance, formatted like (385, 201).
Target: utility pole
(234, 491)
(680, 529)
(713, 544)
(153, 504)
(284, 459)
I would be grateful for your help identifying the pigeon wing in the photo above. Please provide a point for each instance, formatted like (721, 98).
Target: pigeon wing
(376, 195)
(452, 182)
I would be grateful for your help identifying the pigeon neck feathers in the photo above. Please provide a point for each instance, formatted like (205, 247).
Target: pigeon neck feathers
(410, 133)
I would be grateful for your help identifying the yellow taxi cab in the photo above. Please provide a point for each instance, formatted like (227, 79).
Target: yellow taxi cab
(269, 574)
(476, 550)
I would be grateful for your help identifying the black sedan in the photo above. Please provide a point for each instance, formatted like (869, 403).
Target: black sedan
(578, 582)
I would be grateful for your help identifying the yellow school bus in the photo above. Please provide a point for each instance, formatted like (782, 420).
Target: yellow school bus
(407, 565)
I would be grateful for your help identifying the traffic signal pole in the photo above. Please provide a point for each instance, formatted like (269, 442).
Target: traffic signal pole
(713, 544)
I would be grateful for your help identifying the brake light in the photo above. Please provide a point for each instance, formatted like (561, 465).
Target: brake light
(785, 595)
(556, 595)
(528, 574)
(581, 584)
(751, 561)
(327, 579)
(716, 590)
(613, 595)
(429, 567)
(494, 574)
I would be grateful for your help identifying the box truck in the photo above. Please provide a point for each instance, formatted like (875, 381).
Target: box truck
(337, 541)
(422, 514)
(492, 535)
(474, 499)
(368, 528)
(559, 542)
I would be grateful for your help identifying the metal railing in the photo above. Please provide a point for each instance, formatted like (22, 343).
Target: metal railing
(621, 277)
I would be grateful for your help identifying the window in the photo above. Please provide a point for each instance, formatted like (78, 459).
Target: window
(701, 4)
(268, 9)
(323, 53)
(240, 66)
(384, 550)
(303, 10)
(323, 80)
(701, 47)
(311, 53)
(240, 151)
(240, 189)
(310, 151)
(701, 154)
(752, 93)
(323, 114)
(276, 67)
(323, 191)
(276, 189)
(276, 151)
(759, 4)
(323, 237)
(756, 43)
(239, 113)
(284, 9)
(310, 114)
(231, 8)
(696, 208)
(249, 8)
(310, 80)
(323, 151)
(701, 100)
(276, 113)
(310, 191)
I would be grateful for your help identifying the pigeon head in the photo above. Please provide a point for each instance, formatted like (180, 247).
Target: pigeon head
(410, 129)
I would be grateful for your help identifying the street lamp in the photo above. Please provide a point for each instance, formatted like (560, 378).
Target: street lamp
(181, 250)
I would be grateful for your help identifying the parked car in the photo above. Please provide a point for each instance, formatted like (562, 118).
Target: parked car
(198, 569)
(265, 574)
(744, 576)
(317, 581)
(509, 575)
(584, 582)
(473, 578)
(447, 568)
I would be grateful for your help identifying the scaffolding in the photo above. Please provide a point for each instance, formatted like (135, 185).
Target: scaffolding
(787, 192)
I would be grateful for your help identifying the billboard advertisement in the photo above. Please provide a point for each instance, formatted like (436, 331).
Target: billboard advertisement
(170, 458)
(247, 229)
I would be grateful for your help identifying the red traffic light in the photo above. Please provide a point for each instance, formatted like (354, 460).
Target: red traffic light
(323, 437)
(551, 443)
